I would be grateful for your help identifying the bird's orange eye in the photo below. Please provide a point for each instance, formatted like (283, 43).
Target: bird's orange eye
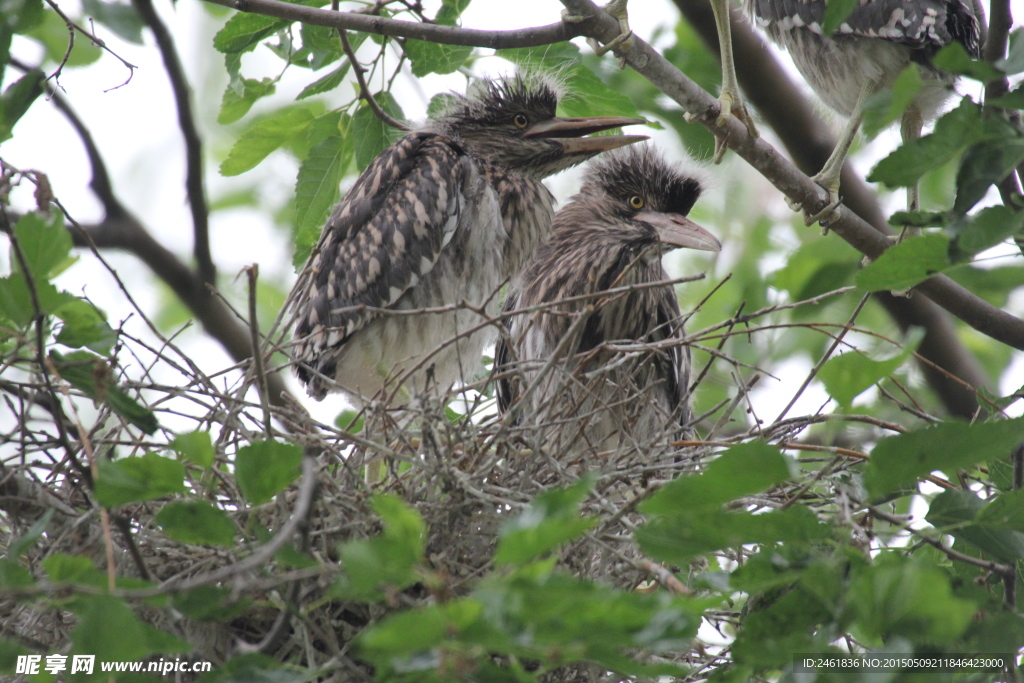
(521, 121)
(636, 202)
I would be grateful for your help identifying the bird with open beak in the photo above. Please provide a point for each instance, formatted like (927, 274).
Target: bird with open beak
(441, 218)
(596, 359)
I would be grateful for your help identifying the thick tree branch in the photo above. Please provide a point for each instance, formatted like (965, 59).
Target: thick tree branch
(809, 142)
(970, 308)
(194, 185)
(435, 33)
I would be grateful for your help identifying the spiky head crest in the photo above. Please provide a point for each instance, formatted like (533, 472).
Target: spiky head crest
(642, 171)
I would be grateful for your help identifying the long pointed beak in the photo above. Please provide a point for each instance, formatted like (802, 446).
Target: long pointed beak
(679, 231)
(570, 131)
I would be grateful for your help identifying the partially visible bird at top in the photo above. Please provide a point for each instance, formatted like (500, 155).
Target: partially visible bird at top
(730, 100)
(554, 368)
(878, 40)
(444, 215)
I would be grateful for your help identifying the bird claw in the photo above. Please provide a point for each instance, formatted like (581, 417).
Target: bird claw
(827, 216)
(621, 43)
(730, 104)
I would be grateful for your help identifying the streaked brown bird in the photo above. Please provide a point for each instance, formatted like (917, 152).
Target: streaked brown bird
(554, 367)
(878, 40)
(444, 215)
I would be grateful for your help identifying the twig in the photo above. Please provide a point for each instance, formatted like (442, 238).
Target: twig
(194, 185)
(828, 354)
(73, 26)
(1000, 569)
(364, 90)
(665, 577)
(253, 272)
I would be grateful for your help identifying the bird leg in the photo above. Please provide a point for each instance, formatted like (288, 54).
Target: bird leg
(621, 43)
(828, 176)
(910, 129)
(730, 101)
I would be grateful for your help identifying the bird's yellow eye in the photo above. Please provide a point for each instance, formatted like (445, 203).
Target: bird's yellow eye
(636, 202)
(521, 121)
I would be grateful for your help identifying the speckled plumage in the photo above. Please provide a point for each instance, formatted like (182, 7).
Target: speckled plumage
(444, 215)
(593, 398)
(876, 42)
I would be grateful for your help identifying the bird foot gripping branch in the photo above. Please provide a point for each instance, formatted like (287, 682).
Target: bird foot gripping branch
(621, 43)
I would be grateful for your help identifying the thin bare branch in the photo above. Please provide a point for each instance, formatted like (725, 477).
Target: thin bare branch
(194, 185)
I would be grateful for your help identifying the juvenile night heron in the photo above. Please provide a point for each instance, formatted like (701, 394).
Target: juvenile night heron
(442, 216)
(866, 54)
(554, 366)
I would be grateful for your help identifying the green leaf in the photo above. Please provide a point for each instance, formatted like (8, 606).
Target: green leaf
(44, 242)
(905, 458)
(375, 566)
(918, 219)
(679, 537)
(954, 59)
(989, 227)
(64, 568)
(16, 299)
(848, 376)
(196, 446)
(108, 629)
(992, 284)
(983, 165)
(21, 545)
(1014, 62)
(836, 12)
(196, 522)
(138, 479)
(325, 83)
(772, 633)
(212, 603)
(742, 470)
(953, 512)
(264, 136)
(85, 325)
(900, 597)
(885, 107)
(244, 30)
(317, 190)
(954, 131)
(16, 100)
(1005, 511)
(10, 650)
(906, 264)
(53, 33)
(816, 267)
(370, 135)
(1012, 100)
(92, 376)
(265, 468)
(350, 421)
(551, 520)
(121, 18)
(19, 16)
(433, 58)
(240, 96)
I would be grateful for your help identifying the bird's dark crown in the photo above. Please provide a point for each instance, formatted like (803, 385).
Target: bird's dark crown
(640, 171)
(493, 118)
(498, 102)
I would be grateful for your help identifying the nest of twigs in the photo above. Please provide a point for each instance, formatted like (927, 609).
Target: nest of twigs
(464, 474)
